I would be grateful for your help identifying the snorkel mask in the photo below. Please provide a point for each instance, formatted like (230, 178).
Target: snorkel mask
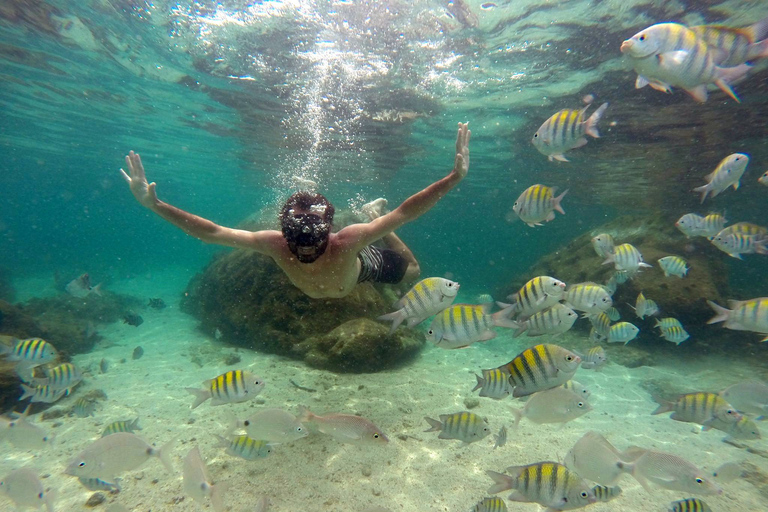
(307, 233)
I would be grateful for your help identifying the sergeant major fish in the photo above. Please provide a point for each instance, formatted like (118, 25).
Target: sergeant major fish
(727, 174)
(594, 359)
(197, 484)
(63, 376)
(234, 386)
(493, 384)
(547, 483)
(461, 325)
(745, 315)
(736, 244)
(553, 321)
(701, 408)
(733, 46)
(588, 297)
(536, 295)
(566, 130)
(603, 244)
(541, 367)
(495, 504)
(689, 505)
(673, 266)
(622, 332)
(27, 354)
(121, 426)
(427, 297)
(626, 258)
(464, 426)
(538, 204)
(246, 447)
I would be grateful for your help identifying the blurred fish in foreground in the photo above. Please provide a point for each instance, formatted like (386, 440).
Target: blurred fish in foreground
(23, 434)
(197, 484)
(745, 315)
(25, 489)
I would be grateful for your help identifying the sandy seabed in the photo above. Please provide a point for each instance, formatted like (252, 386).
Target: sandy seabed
(415, 471)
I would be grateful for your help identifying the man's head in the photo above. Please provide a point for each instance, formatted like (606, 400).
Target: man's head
(306, 220)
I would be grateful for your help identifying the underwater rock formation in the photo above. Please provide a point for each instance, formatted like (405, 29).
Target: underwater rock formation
(253, 304)
(684, 299)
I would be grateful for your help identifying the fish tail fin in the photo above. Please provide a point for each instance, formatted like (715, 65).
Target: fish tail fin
(663, 407)
(217, 496)
(518, 413)
(591, 124)
(501, 482)
(97, 289)
(164, 454)
(727, 76)
(28, 391)
(721, 314)
(557, 202)
(303, 414)
(704, 189)
(501, 318)
(760, 246)
(397, 317)
(435, 425)
(758, 50)
(757, 31)
(201, 395)
(135, 424)
(50, 498)
(608, 259)
(480, 382)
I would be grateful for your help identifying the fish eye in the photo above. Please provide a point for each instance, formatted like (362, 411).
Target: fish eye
(642, 38)
(246, 423)
(536, 135)
(580, 404)
(299, 429)
(376, 436)
(569, 358)
(450, 285)
(584, 494)
(699, 481)
(430, 332)
(82, 464)
(40, 495)
(738, 158)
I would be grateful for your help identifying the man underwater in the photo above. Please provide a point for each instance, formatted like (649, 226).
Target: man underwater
(320, 263)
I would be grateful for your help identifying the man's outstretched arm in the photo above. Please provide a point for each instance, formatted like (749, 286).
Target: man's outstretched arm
(360, 235)
(261, 241)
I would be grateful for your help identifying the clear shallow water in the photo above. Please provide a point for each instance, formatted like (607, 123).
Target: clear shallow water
(227, 101)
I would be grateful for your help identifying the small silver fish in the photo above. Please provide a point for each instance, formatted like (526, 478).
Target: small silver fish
(749, 396)
(728, 472)
(23, 434)
(25, 489)
(594, 458)
(667, 471)
(274, 425)
(501, 438)
(81, 287)
(557, 405)
(578, 388)
(346, 428)
(109, 456)
(197, 484)
(464, 426)
(97, 484)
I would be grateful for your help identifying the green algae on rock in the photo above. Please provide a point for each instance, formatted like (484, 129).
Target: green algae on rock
(252, 303)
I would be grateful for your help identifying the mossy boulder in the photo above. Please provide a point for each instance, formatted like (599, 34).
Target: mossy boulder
(248, 299)
(684, 299)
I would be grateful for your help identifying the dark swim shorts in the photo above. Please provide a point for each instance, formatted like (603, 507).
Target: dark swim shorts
(381, 265)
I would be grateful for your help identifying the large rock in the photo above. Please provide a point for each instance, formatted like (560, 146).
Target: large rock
(250, 301)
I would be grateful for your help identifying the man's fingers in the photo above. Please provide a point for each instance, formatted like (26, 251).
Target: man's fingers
(125, 176)
(151, 190)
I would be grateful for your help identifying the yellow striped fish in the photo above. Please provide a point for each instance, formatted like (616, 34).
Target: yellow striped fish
(594, 359)
(626, 258)
(490, 505)
(29, 352)
(673, 266)
(547, 483)
(612, 313)
(712, 224)
(536, 295)
(669, 54)
(566, 130)
(121, 426)
(733, 46)
(701, 408)
(45, 394)
(601, 324)
(743, 228)
(538, 204)
(675, 334)
(690, 224)
(427, 297)
(541, 367)
(689, 505)
(622, 332)
(63, 376)
(231, 387)
(727, 174)
(84, 407)
(555, 320)
(744, 315)
(245, 447)
(606, 493)
(463, 324)
(736, 244)
(588, 297)
(464, 426)
(493, 384)
(603, 244)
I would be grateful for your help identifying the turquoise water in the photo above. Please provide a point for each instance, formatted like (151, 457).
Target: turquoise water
(228, 101)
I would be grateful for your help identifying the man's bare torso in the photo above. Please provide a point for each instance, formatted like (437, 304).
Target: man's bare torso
(332, 275)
